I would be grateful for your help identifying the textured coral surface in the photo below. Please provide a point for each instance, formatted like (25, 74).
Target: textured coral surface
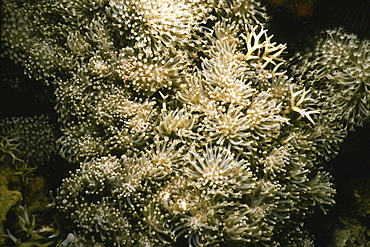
(185, 121)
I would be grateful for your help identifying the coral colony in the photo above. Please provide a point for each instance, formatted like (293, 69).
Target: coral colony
(182, 119)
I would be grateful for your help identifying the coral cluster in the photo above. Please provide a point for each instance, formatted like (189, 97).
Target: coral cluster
(184, 124)
(25, 144)
(338, 68)
(35, 137)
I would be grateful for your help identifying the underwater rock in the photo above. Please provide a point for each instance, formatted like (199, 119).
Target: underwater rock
(8, 198)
